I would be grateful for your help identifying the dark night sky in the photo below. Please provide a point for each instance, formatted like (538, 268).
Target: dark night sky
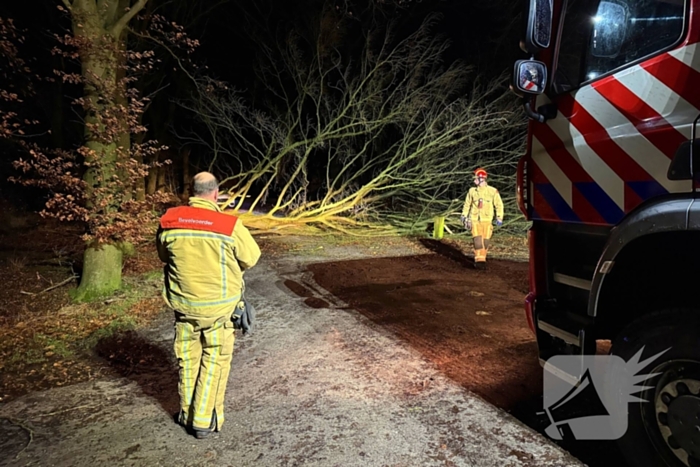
(485, 34)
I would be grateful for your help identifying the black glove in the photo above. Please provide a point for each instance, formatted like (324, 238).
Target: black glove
(244, 317)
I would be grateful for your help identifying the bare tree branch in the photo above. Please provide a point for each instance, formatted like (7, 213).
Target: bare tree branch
(116, 30)
(391, 136)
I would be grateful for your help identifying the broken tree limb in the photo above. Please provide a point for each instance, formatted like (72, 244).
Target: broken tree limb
(60, 284)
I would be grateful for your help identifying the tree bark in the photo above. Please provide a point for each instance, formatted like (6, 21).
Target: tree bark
(124, 142)
(102, 273)
(161, 179)
(57, 120)
(101, 267)
(101, 31)
(186, 177)
(152, 178)
(140, 184)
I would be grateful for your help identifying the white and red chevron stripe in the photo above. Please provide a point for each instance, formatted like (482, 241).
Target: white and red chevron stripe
(609, 147)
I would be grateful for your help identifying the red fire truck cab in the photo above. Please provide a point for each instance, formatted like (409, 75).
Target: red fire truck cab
(610, 184)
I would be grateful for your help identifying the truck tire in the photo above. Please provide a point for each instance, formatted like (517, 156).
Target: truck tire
(664, 432)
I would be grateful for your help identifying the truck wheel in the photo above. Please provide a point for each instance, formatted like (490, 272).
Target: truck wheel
(664, 432)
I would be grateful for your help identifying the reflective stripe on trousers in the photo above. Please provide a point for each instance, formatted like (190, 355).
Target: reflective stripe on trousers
(204, 349)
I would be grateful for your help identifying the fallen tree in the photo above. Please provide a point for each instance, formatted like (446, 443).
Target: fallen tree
(384, 142)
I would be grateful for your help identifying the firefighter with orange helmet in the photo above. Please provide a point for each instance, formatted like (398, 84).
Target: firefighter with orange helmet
(478, 213)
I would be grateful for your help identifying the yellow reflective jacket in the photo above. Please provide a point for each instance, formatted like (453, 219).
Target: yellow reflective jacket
(206, 253)
(481, 202)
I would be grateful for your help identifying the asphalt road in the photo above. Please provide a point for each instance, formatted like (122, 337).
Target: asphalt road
(315, 385)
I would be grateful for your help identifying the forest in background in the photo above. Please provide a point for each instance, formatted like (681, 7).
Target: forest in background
(364, 117)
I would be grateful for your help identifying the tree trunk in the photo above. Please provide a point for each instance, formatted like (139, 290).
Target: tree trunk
(140, 189)
(161, 179)
(100, 29)
(186, 177)
(140, 183)
(102, 267)
(124, 141)
(152, 179)
(57, 120)
(102, 273)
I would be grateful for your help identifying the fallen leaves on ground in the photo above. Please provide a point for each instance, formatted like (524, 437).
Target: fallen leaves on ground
(47, 340)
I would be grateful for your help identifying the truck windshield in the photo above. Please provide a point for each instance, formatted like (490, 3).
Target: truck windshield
(601, 36)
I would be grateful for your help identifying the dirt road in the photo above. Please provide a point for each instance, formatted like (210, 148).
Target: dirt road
(317, 384)
(470, 324)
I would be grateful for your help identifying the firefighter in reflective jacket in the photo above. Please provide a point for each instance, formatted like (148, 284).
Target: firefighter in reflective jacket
(477, 215)
(206, 253)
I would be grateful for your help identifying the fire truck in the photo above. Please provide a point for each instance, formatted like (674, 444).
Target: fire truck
(610, 184)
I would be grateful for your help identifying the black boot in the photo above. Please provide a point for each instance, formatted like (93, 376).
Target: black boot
(202, 434)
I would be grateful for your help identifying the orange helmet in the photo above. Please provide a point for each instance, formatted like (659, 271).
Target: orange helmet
(480, 173)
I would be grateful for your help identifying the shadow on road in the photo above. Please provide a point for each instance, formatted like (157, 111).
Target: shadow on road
(470, 324)
(131, 356)
(448, 251)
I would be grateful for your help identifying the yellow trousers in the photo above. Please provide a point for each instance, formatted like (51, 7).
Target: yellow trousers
(204, 349)
(481, 235)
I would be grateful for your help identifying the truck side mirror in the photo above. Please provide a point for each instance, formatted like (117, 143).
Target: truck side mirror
(529, 78)
(539, 25)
